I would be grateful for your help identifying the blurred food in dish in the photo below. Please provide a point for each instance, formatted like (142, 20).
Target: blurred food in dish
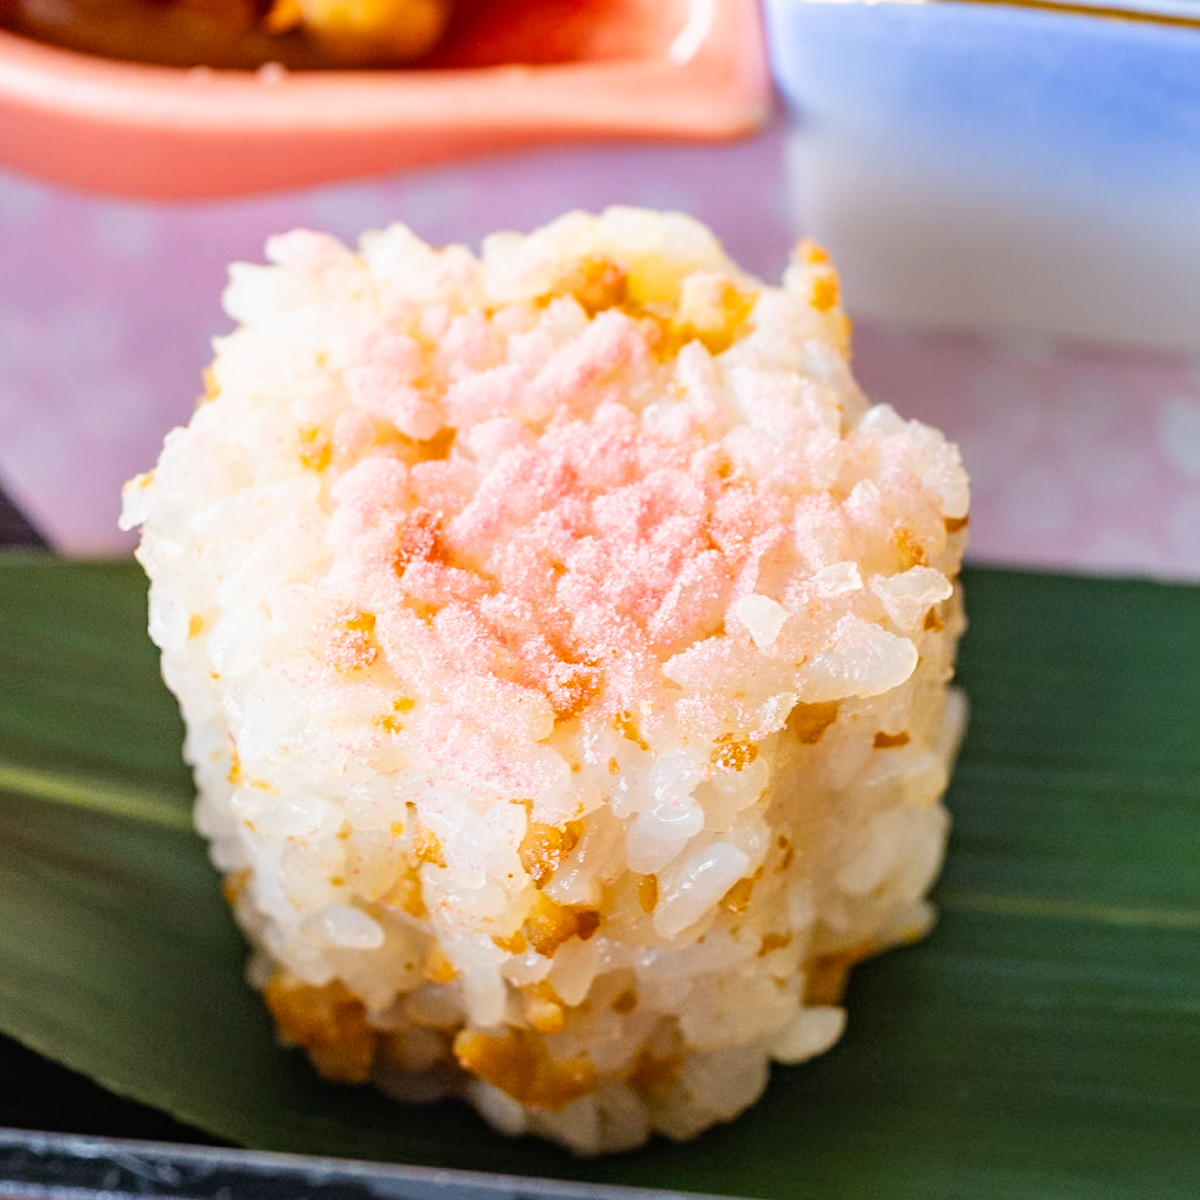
(309, 34)
(507, 74)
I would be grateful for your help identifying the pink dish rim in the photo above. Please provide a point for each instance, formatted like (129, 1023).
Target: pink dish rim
(172, 133)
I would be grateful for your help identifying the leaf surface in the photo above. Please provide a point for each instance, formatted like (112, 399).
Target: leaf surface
(1043, 1042)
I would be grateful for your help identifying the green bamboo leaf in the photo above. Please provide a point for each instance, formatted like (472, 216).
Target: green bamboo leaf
(134, 803)
(1044, 1042)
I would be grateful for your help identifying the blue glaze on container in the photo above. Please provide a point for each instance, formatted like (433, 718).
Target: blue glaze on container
(1068, 133)
(1052, 89)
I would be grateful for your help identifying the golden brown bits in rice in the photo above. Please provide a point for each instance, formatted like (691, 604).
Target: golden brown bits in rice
(514, 943)
(890, 741)
(195, 625)
(328, 1022)
(517, 1064)
(825, 975)
(437, 967)
(712, 314)
(233, 885)
(614, 767)
(544, 847)
(419, 540)
(548, 925)
(774, 941)
(647, 892)
(808, 722)
(808, 251)
(738, 898)
(576, 692)
(438, 447)
(624, 724)
(587, 921)
(733, 753)
(350, 644)
(388, 723)
(654, 1072)
(908, 549)
(314, 447)
(787, 852)
(425, 845)
(234, 776)
(405, 894)
(419, 609)
(624, 1002)
(212, 389)
(933, 622)
(824, 292)
(955, 524)
(595, 283)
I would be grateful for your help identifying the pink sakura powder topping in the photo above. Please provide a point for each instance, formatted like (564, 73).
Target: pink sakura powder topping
(570, 558)
(562, 505)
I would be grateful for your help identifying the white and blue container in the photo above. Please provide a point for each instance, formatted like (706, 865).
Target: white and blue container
(986, 166)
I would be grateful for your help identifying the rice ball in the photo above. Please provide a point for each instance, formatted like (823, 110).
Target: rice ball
(564, 645)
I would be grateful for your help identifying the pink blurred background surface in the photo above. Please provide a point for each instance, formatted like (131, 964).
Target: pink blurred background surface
(1082, 457)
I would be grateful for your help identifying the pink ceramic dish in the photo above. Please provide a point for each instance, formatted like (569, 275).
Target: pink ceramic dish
(519, 73)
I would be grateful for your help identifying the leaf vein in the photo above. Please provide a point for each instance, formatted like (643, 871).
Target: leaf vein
(131, 803)
(1072, 910)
